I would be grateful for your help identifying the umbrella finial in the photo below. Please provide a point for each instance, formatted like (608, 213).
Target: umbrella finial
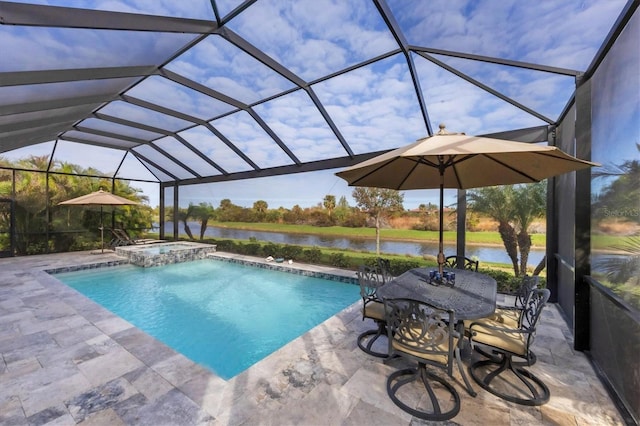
(444, 131)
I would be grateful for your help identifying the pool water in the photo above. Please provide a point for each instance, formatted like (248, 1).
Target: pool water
(223, 315)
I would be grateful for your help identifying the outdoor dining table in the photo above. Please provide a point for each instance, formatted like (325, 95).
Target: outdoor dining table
(472, 296)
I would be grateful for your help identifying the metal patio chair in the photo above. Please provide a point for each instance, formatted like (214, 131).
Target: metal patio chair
(372, 308)
(384, 269)
(425, 334)
(511, 315)
(470, 264)
(506, 342)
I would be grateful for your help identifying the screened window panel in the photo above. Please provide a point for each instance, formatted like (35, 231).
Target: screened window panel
(217, 64)
(212, 147)
(103, 160)
(164, 162)
(474, 111)
(132, 168)
(69, 48)
(297, 121)
(247, 135)
(497, 29)
(100, 140)
(543, 92)
(163, 177)
(195, 9)
(130, 112)
(179, 151)
(374, 107)
(26, 120)
(324, 43)
(35, 157)
(119, 129)
(69, 89)
(164, 92)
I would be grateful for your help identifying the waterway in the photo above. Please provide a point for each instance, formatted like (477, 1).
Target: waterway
(482, 253)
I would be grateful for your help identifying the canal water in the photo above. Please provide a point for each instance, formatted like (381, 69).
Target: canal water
(483, 253)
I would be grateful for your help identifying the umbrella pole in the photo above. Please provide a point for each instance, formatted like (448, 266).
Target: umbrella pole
(440, 241)
(101, 231)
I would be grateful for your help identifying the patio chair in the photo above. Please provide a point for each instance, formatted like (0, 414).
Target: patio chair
(424, 334)
(117, 239)
(372, 308)
(506, 342)
(384, 269)
(470, 264)
(511, 315)
(124, 239)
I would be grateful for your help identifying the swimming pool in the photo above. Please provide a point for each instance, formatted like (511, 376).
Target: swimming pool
(223, 315)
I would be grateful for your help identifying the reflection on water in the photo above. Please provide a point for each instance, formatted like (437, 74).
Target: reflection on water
(483, 253)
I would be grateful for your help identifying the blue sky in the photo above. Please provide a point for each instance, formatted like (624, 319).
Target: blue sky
(374, 107)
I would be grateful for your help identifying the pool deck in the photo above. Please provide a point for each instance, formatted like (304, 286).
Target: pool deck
(65, 360)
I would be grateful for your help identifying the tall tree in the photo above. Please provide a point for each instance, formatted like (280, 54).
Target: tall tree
(329, 203)
(514, 207)
(378, 202)
(183, 216)
(529, 203)
(260, 207)
(202, 213)
(495, 202)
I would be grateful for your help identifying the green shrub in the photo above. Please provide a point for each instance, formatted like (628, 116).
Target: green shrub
(292, 252)
(253, 249)
(339, 260)
(313, 255)
(272, 249)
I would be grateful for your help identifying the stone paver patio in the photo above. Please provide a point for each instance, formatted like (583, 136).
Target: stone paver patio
(65, 360)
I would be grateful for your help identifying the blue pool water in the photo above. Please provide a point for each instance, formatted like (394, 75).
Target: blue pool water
(222, 315)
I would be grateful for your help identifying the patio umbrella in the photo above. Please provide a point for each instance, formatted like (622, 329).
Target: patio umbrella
(100, 198)
(456, 160)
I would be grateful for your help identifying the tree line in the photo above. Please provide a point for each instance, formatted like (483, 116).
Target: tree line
(42, 226)
(513, 207)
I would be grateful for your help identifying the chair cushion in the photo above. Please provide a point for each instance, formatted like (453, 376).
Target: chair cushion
(515, 343)
(373, 310)
(506, 317)
(440, 358)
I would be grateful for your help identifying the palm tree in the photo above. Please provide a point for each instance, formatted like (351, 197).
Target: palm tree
(329, 203)
(202, 213)
(529, 203)
(260, 207)
(184, 215)
(514, 208)
(496, 203)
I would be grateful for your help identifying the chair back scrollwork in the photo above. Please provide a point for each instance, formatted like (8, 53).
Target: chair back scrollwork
(384, 269)
(425, 334)
(421, 330)
(369, 281)
(469, 264)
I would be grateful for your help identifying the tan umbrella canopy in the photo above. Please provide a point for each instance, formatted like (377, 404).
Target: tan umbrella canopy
(100, 198)
(456, 160)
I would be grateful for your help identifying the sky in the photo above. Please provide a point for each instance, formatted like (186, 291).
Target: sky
(374, 107)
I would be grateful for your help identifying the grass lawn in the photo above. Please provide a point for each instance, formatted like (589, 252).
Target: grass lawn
(485, 238)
